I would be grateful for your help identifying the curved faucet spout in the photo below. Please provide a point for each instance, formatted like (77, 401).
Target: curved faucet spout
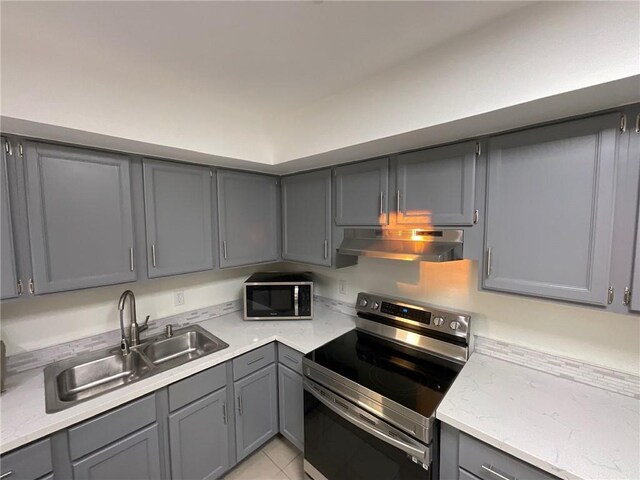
(124, 343)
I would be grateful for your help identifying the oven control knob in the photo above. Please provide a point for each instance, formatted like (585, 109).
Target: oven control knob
(375, 305)
(364, 302)
(454, 325)
(438, 321)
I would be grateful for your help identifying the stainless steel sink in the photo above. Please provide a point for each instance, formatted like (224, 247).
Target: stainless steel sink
(77, 379)
(182, 347)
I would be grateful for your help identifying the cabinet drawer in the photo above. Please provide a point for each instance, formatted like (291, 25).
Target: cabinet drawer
(28, 463)
(104, 429)
(196, 386)
(290, 357)
(489, 463)
(253, 361)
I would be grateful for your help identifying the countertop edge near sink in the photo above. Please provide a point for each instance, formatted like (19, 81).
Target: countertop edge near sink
(22, 406)
(568, 429)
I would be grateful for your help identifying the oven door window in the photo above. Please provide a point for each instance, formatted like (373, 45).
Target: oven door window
(270, 301)
(340, 450)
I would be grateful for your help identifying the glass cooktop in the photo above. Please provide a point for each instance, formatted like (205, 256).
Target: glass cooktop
(415, 380)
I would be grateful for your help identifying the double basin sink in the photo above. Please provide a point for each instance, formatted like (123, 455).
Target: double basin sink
(86, 376)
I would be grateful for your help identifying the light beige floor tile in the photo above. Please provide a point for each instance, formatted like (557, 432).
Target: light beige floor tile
(295, 470)
(281, 451)
(257, 467)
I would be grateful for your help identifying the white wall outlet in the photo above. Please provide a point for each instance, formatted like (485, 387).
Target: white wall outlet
(178, 298)
(342, 287)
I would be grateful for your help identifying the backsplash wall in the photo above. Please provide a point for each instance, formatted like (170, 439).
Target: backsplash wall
(583, 333)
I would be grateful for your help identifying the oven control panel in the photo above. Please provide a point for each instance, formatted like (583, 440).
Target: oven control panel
(417, 315)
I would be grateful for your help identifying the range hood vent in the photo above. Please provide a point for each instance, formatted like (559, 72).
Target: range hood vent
(413, 245)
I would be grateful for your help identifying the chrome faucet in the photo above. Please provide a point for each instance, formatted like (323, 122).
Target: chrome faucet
(134, 334)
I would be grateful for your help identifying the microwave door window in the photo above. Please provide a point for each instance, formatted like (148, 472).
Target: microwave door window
(271, 301)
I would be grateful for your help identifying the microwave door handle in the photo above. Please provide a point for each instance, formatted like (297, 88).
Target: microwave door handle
(420, 452)
(296, 304)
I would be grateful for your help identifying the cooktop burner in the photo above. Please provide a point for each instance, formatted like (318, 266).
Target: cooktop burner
(413, 379)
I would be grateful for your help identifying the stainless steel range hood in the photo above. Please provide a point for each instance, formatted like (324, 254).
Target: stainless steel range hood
(413, 245)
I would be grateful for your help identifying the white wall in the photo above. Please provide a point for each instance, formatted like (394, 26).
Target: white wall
(539, 51)
(582, 333)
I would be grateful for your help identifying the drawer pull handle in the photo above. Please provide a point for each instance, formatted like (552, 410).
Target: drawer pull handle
(288, 357)
(489, 468)
(254, 361)
(6, 475)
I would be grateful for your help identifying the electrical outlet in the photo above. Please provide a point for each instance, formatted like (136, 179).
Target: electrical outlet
(178, 298)
(342, 287)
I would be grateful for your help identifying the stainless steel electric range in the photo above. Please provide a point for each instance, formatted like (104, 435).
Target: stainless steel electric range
(370, 395)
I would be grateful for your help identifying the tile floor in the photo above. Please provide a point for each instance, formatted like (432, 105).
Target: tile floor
(277, 460)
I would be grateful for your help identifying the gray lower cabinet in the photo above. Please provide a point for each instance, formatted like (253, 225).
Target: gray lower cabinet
(198, 438)
(291, 408)
(257, 410)
(549, 218)
(437, 185)
(80, 217)
(362, 193)
(249, 218)
(178, 217)
(306, 218)
(136, 457)
(27, 463)
(8, 275)
(635, 285)
(463, 457)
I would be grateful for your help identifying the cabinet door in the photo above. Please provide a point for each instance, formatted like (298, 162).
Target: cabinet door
(177, 201)
(257, 407)
(362, 193)
(80, 218)
(198, 438)
(248, 214)
(9, 278)
(136, 457)
(437, 186)
(635, 282)
(550, 210)
(290, 400)
(306, 218)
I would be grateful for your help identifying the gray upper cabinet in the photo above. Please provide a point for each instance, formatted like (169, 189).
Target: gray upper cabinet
(437, 186)
(249, 219)
(550, 210)
(306, 218)
(362, 193)
(257, 407)
(198, 436)
(80, 218)
(178, 215)
(9, 279)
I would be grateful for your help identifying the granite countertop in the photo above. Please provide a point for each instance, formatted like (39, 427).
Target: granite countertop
(571, 430)
(22, 406)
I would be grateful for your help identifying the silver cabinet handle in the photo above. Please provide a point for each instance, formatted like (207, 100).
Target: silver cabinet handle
(381, 203)
(296, 300)
(224, 412)
(489, 468)
(255, 361)
(240, 405)
(153, 255)
(398, 201)
(132, 265)
(488, 262)
(289, 357)
(326, 248)
(7, 474)
(224, 249)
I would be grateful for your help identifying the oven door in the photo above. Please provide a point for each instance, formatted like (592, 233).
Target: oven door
(265, 301)
(344, 442)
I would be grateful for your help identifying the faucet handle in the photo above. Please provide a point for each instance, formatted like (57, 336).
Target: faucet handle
(169, 330)
(144, 325)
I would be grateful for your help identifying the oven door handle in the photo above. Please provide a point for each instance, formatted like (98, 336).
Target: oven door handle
(296, 300)
(417, 450)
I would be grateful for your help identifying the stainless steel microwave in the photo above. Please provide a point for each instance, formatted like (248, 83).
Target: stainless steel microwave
(278, 296)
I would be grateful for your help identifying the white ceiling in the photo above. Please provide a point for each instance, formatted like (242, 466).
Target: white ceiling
(261, 59)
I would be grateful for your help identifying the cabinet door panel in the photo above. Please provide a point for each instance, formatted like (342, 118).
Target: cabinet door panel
(248, 214)
(178, 218)
(362, 193)
(437, 185)
(550, 210)
(306, 218)
(136, 457)
(635, 282)
(80, 218)
(9, 278)
(257, 407)
(290, 400)
(199, 439)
